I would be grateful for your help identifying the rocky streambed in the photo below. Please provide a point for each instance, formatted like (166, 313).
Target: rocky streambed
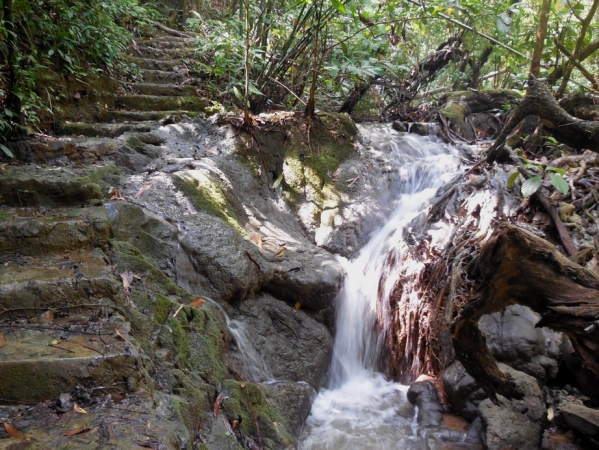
(177, 282)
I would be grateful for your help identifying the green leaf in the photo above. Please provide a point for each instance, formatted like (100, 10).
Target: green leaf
(555, 169)
(237, 93)
(338, 6)
(278, 181)
(6, 150)
(559, 183)
(531, 185)
(533, 166)
(512, 179)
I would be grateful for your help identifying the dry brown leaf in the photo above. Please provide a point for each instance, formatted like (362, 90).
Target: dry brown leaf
(46, 317)
(79, 409)
(235, 424)
(217, 404)
(115, 194)
(298, 305)
(127, 276)
(144, 188)
(190, 207)
(77, 431)
(14, 432)
(2, 340)
(258, 241)
(198, 302)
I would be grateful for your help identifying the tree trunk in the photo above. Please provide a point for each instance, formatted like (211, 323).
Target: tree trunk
(515, 266)
(540, 102)
(356, 95)
(535, 65)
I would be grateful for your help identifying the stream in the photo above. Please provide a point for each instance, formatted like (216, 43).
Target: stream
(360, 409)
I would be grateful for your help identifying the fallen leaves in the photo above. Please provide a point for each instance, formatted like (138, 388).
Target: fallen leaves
(198, 302)
(2, 340)
(127, 276)
(76, 431)
(217, 403)
(47, 317)
(258, 241)
(78, 409)
(298, 305)
(143, 189)
(115, 194)
(13, 432)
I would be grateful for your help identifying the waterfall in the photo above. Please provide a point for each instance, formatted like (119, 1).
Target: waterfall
(360, 409)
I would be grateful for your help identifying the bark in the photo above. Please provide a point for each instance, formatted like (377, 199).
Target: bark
(515, 266)
(540, 102)
(535, 65)
(356, 95)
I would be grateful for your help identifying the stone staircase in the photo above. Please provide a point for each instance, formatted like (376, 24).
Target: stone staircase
(162, 87)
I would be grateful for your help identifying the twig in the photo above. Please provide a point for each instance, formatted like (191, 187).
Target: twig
(169, 30)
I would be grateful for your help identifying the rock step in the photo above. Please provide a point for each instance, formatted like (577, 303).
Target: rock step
(30, 232)
(167, 43)
(30, 285)
(156, 64)
(32, 185)
(160, 103)
(164, 89)
(40, 363)
(141, 116)
(102, 130)
(163, 53)
(162, 76)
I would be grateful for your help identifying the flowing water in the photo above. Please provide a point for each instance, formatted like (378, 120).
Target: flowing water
(361, 409)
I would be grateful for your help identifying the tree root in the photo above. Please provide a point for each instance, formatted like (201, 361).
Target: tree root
(516, 266)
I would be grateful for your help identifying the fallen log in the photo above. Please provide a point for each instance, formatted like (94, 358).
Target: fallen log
(516, 266)
(539, 101)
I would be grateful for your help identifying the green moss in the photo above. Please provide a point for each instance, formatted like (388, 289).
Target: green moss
(250, 402)
(128, 257)
(163, 308)
(5, 215)
(454, 113)
(206, 194)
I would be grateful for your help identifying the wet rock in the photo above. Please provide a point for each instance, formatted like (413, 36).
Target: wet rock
(130, 160)
(60, 186)
(312, 278)
(582, 419)
(424, 395)
(294, 401)
(31, 232)
(463, 392)
(515, 422)
(513, 339)
(293, 346)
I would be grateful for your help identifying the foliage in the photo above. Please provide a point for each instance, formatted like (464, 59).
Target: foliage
(532, 184)
(72, 37)
(382, 43)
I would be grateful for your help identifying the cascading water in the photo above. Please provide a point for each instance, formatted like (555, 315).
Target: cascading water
(360, 409)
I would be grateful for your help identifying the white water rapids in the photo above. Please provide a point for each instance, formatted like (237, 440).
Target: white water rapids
(360, 409)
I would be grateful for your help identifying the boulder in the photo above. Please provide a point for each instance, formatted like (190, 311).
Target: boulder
(515, 422)
(424, 395)
(513, 339)
(463, 392)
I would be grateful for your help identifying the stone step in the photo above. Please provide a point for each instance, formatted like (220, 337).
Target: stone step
(156, 64)
(33, 185)
(30, 232)
(40, 362)
(111, 422)
(141, 116)
(65, 283)
(167, 43)
(160, 103)
(162, 76)
(163, 53)
(102, 129)
(164, 89)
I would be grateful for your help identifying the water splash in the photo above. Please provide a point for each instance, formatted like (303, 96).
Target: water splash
(362, 410)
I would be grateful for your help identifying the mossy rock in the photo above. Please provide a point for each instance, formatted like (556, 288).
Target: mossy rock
(207, 194)
(250, 403)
